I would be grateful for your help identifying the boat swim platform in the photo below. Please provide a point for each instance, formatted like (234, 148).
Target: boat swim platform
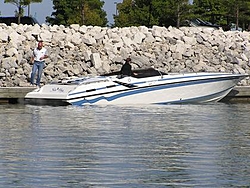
(14, 95)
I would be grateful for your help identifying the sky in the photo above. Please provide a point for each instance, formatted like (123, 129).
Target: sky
(41, 10)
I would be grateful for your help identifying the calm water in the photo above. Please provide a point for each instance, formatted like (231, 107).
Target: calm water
(124, 146)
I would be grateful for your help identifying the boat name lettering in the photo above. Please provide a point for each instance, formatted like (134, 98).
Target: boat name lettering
(54, 89)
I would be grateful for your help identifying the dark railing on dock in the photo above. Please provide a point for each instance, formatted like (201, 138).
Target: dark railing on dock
(17, 94)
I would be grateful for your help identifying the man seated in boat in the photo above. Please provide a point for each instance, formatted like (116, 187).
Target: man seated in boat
(126, 69)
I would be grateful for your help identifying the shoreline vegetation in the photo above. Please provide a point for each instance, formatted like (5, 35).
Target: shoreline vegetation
(76, 51)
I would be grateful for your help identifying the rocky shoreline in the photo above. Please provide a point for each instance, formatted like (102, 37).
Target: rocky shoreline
(81, 50)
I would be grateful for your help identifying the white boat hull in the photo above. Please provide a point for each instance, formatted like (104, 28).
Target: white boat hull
(163, 89)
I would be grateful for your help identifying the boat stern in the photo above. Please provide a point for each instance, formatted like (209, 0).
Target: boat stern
(50, 93)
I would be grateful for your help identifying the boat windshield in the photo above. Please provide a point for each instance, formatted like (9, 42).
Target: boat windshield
(148, 73)
(141, 73)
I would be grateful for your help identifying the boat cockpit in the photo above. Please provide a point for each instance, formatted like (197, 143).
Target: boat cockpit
(140, 73)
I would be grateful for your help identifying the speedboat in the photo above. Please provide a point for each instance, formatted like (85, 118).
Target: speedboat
(147, 86)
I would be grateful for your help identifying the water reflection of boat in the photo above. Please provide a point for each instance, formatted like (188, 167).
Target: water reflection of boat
(148, 86)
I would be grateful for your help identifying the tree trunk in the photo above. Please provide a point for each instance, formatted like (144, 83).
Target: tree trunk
(82, 13)
(178, 16)
(149, 13)
(237, 17)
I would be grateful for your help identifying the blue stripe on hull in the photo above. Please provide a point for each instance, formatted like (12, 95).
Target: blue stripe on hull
(152, 88)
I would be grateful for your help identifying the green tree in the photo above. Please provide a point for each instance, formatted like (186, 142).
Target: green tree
(126, 16)
(223, 12)
(152, 12)
(239, 12)
(21, 4)
(173, 12)
(211, 10)
(135, 13)
(245, 18)
(83, 12)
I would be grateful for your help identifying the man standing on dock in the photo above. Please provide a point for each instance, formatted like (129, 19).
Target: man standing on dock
(38, 59)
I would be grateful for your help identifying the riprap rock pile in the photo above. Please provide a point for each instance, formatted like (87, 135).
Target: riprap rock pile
(81, 50)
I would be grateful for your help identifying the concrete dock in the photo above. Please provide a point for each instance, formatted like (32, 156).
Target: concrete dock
(238, 94)
(14, 95)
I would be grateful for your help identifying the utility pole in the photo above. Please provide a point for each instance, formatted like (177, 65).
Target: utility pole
(115, 8)
(29, 10)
